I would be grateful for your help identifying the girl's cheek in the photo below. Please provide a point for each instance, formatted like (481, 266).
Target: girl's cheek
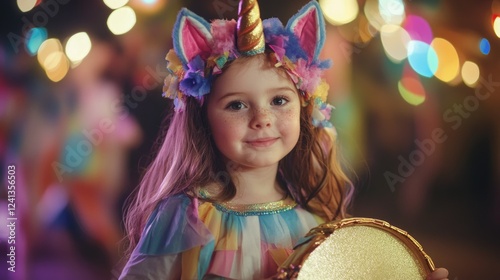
(293, 114)
(289, 118)
(235, 121)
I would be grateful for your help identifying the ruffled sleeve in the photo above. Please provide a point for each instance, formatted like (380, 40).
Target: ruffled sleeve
(172, 228)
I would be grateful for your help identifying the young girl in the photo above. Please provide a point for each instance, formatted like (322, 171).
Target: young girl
(248, 165)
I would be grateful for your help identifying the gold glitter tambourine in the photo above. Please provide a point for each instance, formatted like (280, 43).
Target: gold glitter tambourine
(357, 248)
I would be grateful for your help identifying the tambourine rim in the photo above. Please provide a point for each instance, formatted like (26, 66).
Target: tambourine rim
(326, 229)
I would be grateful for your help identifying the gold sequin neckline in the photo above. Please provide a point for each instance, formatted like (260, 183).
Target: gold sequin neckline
(255, 209)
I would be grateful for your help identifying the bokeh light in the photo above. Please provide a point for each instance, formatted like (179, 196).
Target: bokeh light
(410, 87)
(372, 13)
(423, 58)
(338, 12)
(46, 50)
(496, 25)
(34, 38)
(115, 4)
(26, 5)
(470, 73)
(78, 47)
(418, 28)
(449, 64)
(395, 42)
(365, 29)
(392, 11)
(148, 6)
(411, 90)
(52, 58)
(60, 68)
(484, 46)
(120, 21)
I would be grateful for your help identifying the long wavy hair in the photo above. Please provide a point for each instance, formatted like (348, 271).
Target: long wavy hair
(188, 159)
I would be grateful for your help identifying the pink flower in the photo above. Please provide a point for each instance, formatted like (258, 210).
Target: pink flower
(277, 44)
(311, 75)
(223, 33)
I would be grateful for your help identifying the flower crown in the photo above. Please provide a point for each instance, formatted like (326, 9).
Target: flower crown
(202, 49)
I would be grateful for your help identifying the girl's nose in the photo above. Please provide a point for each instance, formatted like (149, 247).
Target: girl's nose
(261, 118)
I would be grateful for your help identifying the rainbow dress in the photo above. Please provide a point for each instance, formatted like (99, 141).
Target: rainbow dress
(185, 238)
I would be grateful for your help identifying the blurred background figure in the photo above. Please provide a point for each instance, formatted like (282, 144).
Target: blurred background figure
(82, 171)
(415, 85)
(73, 155)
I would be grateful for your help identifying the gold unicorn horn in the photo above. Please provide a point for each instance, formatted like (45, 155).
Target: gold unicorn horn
(250, 31)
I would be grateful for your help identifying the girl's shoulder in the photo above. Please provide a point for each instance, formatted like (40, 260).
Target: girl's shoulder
(172, 202)
(173, 227)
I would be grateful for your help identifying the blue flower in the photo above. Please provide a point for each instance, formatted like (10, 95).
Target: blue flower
(194, 82)
(196, 64)
(195, 85)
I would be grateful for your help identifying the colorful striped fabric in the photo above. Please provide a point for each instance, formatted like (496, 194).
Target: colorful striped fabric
(185, 239)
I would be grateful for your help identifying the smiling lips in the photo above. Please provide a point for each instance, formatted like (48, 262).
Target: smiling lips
(262, 142)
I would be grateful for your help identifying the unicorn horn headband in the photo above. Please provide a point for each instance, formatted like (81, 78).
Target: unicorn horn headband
(202, 49)
(250, 30)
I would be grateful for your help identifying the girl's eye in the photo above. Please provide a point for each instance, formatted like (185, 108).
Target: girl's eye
(235, 105)
(279, 101)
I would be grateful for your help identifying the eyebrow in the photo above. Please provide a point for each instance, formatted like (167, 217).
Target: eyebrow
(282, 89)
(229, 94)
(271, 90)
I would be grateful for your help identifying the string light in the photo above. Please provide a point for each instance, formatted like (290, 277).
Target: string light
(26, 5)
(411, 90)
(78, 47)
(53, 60)
(45, 50)
(395, 42)
(148, 6)
(403, 37)
(422, 57)
(410, 87)
(59, 69)
(372, 13)
(120, 21)
(34, 38)
(470, 73)
(448, 66)
(496, 25)
(418, 28)
(484, 46)
(115, 4)
(339, 12)
(392, 11)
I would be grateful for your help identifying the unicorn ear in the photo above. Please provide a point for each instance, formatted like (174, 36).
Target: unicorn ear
(309, 27)
(191, 36)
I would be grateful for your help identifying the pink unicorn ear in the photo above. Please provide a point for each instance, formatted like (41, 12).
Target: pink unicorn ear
(191, 36)
(309, 27)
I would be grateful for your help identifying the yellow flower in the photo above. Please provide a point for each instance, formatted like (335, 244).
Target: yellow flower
(322, 91)
(174, 63)
(170, 86)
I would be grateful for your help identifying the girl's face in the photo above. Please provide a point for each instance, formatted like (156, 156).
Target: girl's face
(254, 114)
